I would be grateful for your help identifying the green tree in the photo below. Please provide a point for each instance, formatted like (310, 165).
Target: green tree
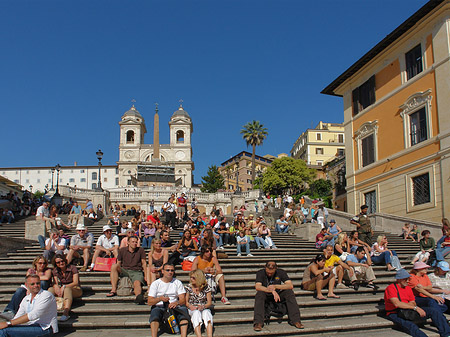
(38, 194)
(287, 175)
(254, 134)
(213, 180)
(322, 189)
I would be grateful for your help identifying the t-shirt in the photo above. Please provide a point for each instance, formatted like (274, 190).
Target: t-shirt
(77, 240)
(282, 223)
(76, 210)
(131, 260)
(353, 258)
(415, 280)
(406, 295)
(332, 260)
(440, 282)
(241, 239)
(108, 243)
(279, 277)
(172, 290)
(60, 242)
(42, 211)
(67, 277)
(181, 201)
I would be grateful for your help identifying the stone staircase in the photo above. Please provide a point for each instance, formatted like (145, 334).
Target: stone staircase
(96, 315)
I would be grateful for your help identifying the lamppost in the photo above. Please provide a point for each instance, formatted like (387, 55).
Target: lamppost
(259, 174)
(53, 172)
(46, 188)
(57, 168)
(99, 154)
(236, 191)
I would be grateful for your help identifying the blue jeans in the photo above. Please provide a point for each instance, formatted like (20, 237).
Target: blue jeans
(412, 329)
(279, 230)
(41, 240)
(33, 330)
(441, 253)
(156, 314)
(383, 259)
(7, 218)
(239, 247)
(147, 242)
(18, 296)
(260, 241)
(219, 242)
(429, 302)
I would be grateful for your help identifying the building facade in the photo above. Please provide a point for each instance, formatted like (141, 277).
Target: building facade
(319, 145)
(397, 119)
(237, 171)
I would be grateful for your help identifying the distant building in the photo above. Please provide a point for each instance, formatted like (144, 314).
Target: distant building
(319, 145)
(397, 119)
(334, 171)
(240, 167)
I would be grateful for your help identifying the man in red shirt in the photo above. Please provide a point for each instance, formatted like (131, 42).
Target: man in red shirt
(400, 296)
(182, 202)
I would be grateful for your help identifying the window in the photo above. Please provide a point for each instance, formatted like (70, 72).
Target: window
(414, 64)
(39, 171)
(340, 138)
(117, 170)
(105, 179)
(363, 96)
(49, 181)
(81, 171)
(130, 137)
(94, 186)
(28, 172)
(370, 199)
(71, 171)
(27, 181)
(367, 150)
(94, 175)
(129, 182)
(421, 189)
(16, 181)
(117, 181)
(341, 152)
(180, 136)
(38, 181)
(249, 181)
(82, 180)
(319, 150)
(71, 180)
(318, 136)
(418, 126)
(319, 162)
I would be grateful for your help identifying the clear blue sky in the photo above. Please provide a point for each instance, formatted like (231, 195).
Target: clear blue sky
(69, 70)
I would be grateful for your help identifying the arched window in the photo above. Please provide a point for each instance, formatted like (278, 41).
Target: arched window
(180, 136)
(130, 137)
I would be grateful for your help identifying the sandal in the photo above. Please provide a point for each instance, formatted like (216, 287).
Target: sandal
(111, 294)
(321, 298)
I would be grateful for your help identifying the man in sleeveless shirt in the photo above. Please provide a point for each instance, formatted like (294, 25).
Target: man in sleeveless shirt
(363, 225)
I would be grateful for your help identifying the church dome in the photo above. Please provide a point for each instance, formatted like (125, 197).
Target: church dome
(181, 113)
(132, 113)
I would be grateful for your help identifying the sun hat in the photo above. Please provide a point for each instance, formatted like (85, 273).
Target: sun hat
(420, 265)
(106, 228)
(80, 227)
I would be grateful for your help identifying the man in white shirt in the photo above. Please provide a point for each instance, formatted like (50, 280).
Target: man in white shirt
(54, 244)
(36, 315)
(43, 214)
(168, 292)
(170, 212)
(107, 245)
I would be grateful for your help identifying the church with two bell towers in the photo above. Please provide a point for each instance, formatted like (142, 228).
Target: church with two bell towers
(155, 164)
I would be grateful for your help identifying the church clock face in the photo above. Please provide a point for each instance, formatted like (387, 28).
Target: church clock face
(129, 154)
(180, 155)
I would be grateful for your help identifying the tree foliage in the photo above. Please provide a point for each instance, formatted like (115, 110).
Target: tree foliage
(320, 188)
(287, 175)
(213, 180)
(254, 134)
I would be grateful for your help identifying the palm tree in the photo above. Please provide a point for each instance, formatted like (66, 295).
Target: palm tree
(254, 134)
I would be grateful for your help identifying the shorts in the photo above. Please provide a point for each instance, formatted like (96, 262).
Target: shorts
(157, 313)
(134, 275)
(310, 287)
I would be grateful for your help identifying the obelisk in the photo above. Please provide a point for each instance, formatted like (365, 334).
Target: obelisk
(156, 134)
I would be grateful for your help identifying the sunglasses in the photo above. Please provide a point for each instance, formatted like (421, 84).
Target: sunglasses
(170, 270)
(60, 262)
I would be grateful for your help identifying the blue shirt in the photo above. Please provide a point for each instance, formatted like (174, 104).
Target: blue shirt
(353, 258)
(76, 210)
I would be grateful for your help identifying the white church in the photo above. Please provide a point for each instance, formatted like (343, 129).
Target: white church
(139, 164)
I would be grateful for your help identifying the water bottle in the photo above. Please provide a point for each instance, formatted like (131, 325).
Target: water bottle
(173, 324)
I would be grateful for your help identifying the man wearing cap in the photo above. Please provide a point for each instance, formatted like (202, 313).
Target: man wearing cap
(422, 288)
(363, 225)
(80, 243)
(273, 284)
(440, 279)
(107, 245)
(392, 302)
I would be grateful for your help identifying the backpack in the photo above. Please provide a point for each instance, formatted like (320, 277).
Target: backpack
(125, 287)
(272, 308)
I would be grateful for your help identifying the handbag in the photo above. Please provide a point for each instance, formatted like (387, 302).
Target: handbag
(395, 262)
(186, 265)
(104, 263)
(409, 314)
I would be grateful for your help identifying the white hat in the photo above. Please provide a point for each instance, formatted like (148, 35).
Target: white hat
(80, 227)
(106, 228)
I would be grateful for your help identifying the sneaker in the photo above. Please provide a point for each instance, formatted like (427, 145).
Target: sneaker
(239, 254)
(249, 255)
(228, 245)
(64, 318)
(221, 247)
(8, 315)
(225, 301)
(139, 299)
(341, 286)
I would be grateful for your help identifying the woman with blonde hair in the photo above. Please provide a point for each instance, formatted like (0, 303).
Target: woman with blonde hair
(198, 300)
(381, 255)
(341, 244)
(157, 257)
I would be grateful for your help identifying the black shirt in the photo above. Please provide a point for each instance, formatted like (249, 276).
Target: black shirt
(279, 277)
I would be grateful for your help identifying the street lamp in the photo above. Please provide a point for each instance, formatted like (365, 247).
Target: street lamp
(57, 168)
(236, 191)
(99, 154)
(53, 172)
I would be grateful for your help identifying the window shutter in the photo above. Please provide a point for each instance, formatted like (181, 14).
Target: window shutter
(355, 99)
(372, 90)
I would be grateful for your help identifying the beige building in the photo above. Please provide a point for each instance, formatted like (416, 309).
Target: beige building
(239, 168)
(397, 120)
(319, 145)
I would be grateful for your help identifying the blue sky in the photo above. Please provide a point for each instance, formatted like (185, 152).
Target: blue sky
(69, 70)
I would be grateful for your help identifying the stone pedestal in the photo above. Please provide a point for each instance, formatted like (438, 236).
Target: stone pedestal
(237, 200)
(33, 228)
(308, 231)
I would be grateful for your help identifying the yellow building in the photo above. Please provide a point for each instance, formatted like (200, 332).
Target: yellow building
(397, 119)
(319, 145)
(237, 171)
